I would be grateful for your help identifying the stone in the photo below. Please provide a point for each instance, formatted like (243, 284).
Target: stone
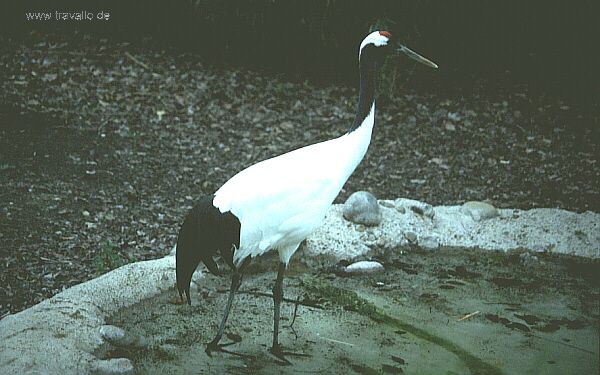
(449, 126)
(529, 260)
(114, 366)
(411, 237)
(114, 335)
(429, 242)
(362, 208)
(118, 337)
(480, 210)
(404, 205)
(364, 267)
(387, 203)
(454, 116)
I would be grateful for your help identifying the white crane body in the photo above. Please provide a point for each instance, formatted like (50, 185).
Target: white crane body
(277, 203)
(281, 201)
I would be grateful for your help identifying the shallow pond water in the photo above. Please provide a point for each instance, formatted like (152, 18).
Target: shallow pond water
(450, 311)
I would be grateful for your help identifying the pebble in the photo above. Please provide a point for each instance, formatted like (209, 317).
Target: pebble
(429, 242)
(118, 337)
(114, 366)
(450, 127)
(411, 237)
(454, 116)
(529, 260)
(364, 267)
(387, 203)
(362, 208)
(480, 210)
(423, 209)
(114, 335)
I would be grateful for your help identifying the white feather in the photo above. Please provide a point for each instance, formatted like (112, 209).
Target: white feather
(374, 38)
(281, 201)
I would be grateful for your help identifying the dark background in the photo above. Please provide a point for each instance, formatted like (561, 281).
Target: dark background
(92, 177)
(550, 45)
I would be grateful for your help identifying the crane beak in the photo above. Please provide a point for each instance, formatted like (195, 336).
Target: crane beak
(415, 56)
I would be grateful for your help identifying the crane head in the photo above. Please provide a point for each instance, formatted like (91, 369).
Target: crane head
(383, 40)
(377, 41)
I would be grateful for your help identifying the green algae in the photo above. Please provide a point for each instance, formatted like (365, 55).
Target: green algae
(350, 300)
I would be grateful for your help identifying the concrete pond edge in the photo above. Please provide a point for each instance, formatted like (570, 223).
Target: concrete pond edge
(63, 333)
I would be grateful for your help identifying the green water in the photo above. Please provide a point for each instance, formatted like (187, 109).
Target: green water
(527, 317)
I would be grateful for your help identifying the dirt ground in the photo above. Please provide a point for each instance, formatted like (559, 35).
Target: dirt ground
(104, 146)
(449, 311)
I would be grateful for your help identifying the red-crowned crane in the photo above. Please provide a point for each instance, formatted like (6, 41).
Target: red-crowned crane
(277, 203)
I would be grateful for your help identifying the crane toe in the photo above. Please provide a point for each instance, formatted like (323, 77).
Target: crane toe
(214, 346)
(277, 351)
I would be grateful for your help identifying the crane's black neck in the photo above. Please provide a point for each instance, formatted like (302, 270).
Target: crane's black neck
(369, 71)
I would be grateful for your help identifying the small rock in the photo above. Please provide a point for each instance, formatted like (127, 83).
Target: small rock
(424, 210)
(362, 208)
(114, 335)
(411, 237)
(118, 337)
(418, 207)
(49, 77)
(387, 203)
(450, 126)
(480, 210)
(454, 116)
(114, 366)
(529, 260)
(287, 125)
(364, 267)
(429, 242)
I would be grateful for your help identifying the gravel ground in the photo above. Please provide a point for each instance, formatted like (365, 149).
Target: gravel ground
(104, 146)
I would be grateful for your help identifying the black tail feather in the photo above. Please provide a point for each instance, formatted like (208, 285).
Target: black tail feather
(205, 231)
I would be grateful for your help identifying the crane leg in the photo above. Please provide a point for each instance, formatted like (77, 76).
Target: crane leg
(236, 281)
(277, 298)
(276, 349)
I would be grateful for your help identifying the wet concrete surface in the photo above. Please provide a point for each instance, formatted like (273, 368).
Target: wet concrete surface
(450, 311)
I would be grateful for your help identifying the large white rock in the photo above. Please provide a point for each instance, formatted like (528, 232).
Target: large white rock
(362, 208)
(408, 222)
(480, 210)
(60, 335)
(364, 266)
